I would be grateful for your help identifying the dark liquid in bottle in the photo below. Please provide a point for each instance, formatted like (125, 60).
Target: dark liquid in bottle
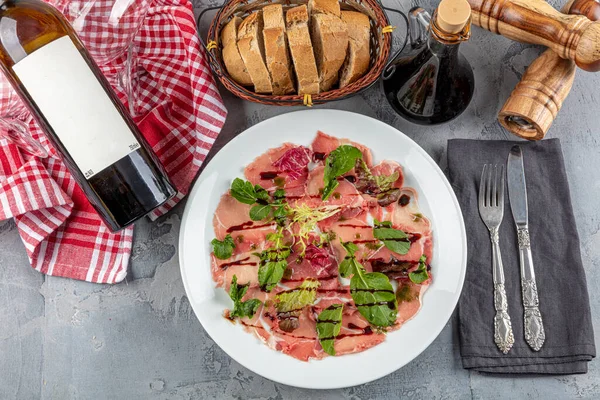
(432, 84)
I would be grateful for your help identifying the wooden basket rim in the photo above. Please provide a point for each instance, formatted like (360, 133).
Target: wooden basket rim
(373, 8)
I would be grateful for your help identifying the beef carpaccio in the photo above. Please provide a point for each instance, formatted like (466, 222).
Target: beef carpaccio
(322, 251)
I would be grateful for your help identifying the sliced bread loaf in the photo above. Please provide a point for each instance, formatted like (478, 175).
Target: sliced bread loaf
(276, 50)
(358, 58)
(324, 7)
(231, 55)
(302, 50)
(229, 32)
(273, 16)
(330, 40)
(251, 46)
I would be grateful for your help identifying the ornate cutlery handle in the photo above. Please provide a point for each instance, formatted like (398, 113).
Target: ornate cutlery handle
(534, 327)
(503, 333)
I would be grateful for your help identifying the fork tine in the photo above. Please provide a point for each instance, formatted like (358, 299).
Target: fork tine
(488, 188)
(494, 201)
(482, 187)
(501, 194)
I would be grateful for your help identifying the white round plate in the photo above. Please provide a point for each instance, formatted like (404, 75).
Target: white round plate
(436, 199)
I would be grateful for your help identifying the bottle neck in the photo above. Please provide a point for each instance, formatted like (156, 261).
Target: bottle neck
(442, 50)
(445, 43)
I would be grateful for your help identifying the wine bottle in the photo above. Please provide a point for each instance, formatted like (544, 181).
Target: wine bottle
(51, 70)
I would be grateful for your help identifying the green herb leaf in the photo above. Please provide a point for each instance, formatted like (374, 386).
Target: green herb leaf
(299, 297)
(259, 212)
(329, 324)
(338, 162)
(243, 191)
(270, 273)
(385, 182)
(241, 308)
(273, 262)
(374, 297)
(237, 292)
(279, 195)
(420, 275)
(349, 265)
(394, 239)
(330, 186)
(372, 292)
(280, 207)
(246, 309)
(261, 194)
(223, 248)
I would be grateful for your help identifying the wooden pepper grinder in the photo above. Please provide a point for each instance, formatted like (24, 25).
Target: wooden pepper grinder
(572, 37)
(537, 98)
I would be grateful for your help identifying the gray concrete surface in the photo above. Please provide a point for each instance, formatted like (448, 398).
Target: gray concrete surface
(64, 339)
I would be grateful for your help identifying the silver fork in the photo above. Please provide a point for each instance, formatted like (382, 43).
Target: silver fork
(491, 210)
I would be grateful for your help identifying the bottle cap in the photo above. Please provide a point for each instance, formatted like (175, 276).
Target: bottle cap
(453, 15)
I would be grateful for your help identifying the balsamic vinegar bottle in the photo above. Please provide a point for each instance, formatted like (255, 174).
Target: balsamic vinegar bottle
(433, 82)
(83, 118)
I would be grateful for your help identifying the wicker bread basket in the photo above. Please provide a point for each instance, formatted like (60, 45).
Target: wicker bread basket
(379, 49)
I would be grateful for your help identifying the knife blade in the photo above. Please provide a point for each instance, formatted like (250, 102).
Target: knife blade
(517, 188)
(535, 334)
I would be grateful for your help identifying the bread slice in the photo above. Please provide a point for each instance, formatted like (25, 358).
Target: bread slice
(231, 55)
(273, 16)
(324, 7)
(251, 46)
(358, 58)
(302, 51)
(229, 32)
(330, 40)
(276, 50)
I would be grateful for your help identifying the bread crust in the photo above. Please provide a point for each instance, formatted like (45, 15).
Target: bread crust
(251, 46)
(273, 16)
(231, 55)
(330, 40)
(358, 58)
(324, 7)
(302, 50)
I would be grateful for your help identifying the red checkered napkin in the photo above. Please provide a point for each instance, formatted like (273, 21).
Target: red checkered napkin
(182, 115)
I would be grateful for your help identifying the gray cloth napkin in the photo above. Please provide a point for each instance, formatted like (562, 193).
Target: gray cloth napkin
(563, 295)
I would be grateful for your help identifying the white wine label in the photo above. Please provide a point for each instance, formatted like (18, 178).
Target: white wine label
(76, 106)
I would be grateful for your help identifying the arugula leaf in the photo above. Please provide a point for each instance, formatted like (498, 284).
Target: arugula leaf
(273, 262)
(330, 186)
(394, 239)
(270, 273)
(338, 162)
(374, 297)
(259, 212)
(385, 182)
(349, 265)
(372, 292)
(261, 194)
(223, 248)
(299, 297)
(280, 207)
(279, 195)
(241, 308)
(243, 191)
(246, 193)
(420, 275)
(329, 324)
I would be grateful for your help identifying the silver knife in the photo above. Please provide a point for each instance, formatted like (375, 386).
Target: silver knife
(517, 193)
